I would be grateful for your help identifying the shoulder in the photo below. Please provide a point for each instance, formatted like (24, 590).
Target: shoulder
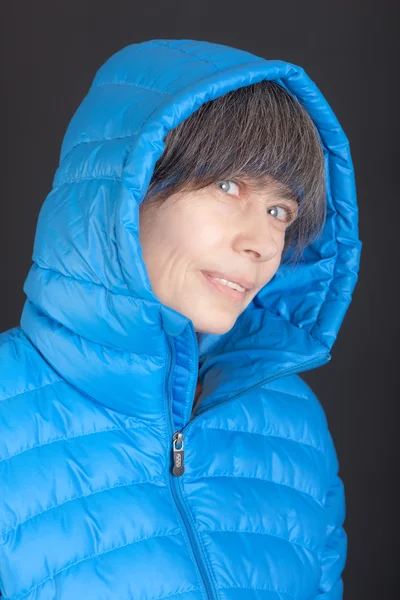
(301, 416)
(22, 368)
(27, 382)
(37, 406)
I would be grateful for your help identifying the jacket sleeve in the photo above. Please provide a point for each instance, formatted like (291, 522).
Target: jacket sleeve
(334, 553)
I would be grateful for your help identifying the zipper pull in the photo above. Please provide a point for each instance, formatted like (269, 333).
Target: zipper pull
(178, 454)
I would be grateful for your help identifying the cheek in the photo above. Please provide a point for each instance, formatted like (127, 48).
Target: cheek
(199, 233)
(205, 244)
(271, 267)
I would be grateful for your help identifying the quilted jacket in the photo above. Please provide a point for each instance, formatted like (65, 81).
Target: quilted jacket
(110, 488)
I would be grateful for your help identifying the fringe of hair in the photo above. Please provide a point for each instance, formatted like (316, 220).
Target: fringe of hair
(259, 134)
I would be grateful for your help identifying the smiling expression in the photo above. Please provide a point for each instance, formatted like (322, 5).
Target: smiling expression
(223, 228)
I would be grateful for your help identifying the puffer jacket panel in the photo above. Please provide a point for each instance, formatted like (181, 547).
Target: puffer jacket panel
(256, 488)
(99, 493)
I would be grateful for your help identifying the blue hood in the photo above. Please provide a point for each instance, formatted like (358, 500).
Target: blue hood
(90, 309)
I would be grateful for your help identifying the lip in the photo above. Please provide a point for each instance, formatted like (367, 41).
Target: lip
(230, 293)
(240, 280)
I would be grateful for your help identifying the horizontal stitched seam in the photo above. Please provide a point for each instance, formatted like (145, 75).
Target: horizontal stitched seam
(282, 437)
(254, 587)
(95, 556)
(130, 84)
(178, 594)
(280, 537)
(74, 437)
(118, 485)
(82, 179)
(195, 479)
(100, 285)
(34, 390)
(187, 54)
(102, 344)
(269, 385)
(96, 141)
(87, 281)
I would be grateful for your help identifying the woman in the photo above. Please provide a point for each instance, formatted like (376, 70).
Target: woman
(198, 250)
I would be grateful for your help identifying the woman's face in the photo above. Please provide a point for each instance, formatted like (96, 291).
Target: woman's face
(221, 228)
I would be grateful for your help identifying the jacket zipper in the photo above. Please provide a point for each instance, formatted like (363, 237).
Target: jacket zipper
(174, 473)
(178, 436)
(178, 456)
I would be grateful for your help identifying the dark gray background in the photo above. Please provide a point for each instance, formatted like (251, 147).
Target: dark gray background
(50, 51)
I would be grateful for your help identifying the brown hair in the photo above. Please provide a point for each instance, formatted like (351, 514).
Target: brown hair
(258, 134)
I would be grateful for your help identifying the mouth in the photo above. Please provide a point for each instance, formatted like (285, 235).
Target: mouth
(234, 295)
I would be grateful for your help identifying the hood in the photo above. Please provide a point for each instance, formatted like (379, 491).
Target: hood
(90, 309)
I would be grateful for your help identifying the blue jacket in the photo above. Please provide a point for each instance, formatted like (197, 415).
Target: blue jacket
(99, 375)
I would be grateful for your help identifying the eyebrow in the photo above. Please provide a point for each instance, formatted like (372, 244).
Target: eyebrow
(290, 197)
(285, 194)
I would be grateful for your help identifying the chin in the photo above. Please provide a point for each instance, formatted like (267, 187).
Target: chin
(202, 326)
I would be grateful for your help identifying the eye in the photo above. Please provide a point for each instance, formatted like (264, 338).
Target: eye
(288, 213)
(226, 186)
